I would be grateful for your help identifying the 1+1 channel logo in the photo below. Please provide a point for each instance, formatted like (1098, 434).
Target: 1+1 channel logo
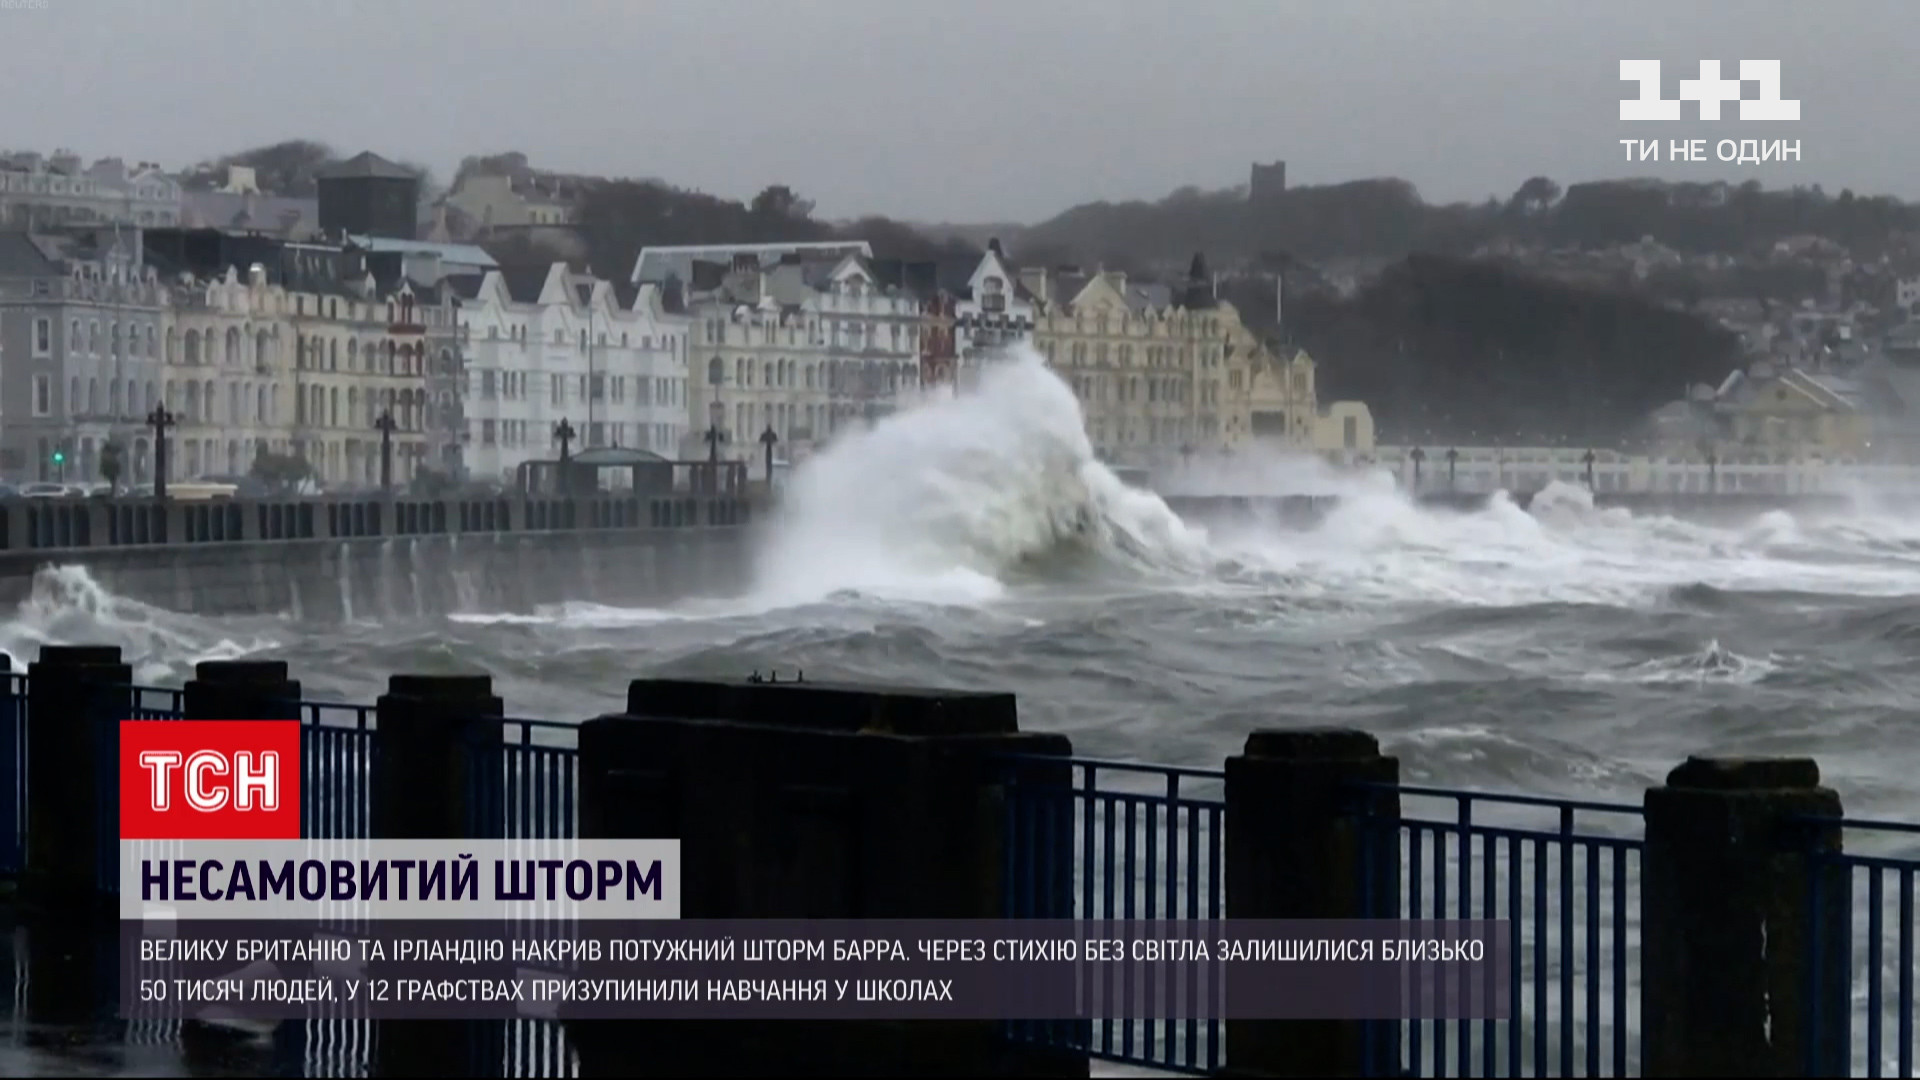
(210, 780)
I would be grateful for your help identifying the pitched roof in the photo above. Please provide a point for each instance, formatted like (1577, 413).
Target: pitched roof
(21, 257)
(656, 264)
(361, 165)
(470, 255)
(465, 286)
(525, 282)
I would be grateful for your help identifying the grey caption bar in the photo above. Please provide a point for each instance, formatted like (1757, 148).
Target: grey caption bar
(816, 969)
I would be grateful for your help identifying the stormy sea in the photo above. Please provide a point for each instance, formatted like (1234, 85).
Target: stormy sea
(975, 542)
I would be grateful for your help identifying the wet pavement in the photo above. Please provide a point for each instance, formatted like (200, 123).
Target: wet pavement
(111, 1049)
(58, 1013)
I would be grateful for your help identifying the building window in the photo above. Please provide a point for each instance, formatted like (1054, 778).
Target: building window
(43, 395)
(43, 338)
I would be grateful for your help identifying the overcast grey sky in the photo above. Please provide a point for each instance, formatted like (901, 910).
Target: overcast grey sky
(978, 110)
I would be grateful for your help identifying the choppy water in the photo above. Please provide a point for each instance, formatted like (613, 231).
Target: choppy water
(974, 543)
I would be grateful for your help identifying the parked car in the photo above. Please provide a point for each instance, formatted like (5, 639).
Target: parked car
(44, 490)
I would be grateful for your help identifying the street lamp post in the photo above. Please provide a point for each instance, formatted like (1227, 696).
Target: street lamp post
(160, 419)
(592, 390)
(716, 434)
(768, 439)
(564, 434)
(386, 426)
(1419, 457)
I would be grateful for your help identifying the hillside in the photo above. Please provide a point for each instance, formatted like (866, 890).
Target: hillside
(1445, 349)
(1387, 218)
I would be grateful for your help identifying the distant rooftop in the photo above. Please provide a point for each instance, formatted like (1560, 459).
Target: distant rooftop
(365, 164)
(657, 264)
(454, 254)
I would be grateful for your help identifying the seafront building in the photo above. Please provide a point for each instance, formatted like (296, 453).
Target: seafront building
(993, 315)
(46, 192)
(1159, 370)
(362, 340)
(230, 373)
(82, 326)
(549, 347)
(803, 340)
(298, 350)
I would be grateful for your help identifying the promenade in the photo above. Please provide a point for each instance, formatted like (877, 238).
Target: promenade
(1732, 922)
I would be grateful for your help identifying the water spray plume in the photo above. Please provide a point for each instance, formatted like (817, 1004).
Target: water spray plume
(948, 500)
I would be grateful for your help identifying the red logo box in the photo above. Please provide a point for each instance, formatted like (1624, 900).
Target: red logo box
(210, 780)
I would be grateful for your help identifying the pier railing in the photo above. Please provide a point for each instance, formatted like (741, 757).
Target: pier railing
(1564, 876)
(1733, 470)
(1873, 956)
(1736, 922)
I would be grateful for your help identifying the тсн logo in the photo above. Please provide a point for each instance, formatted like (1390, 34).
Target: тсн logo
(209, 780)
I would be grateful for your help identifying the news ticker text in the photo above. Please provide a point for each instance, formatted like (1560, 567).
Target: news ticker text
(816, 969)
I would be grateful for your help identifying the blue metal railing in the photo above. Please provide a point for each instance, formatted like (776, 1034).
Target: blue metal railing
(541, 776)
(1877, 878)
(336, 775)
(1568, 888)
(1096, 839)
(535, 797)
(1093, 839)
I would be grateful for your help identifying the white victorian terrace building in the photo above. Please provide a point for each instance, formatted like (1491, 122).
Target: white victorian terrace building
(546, 346)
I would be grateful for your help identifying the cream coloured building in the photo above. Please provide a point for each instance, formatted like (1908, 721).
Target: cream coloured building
(1159, 371)
(1286, 413)
(755, 344)
(805, 340)
(1283, 403)
(229, 373)
(759, 351)
(359, 355)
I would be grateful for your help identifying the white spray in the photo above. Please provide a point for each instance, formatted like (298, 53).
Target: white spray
(945, 501)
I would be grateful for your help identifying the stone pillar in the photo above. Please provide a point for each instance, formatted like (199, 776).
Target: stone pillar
(1309, 838)
(241, 690)
(804, 800)
(1738, 907)
(13, 766)
(76, 697)
(437, 746)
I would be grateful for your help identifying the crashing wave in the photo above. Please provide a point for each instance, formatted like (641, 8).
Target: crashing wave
(951, 497)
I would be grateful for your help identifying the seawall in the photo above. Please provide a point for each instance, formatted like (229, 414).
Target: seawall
(342, 559)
